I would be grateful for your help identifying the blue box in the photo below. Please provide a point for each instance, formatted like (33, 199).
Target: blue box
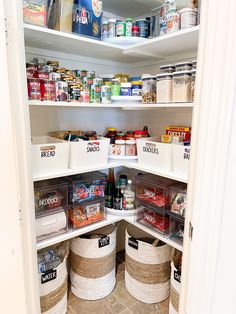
(87, 18)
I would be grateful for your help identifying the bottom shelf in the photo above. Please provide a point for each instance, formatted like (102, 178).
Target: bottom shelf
(111, 218)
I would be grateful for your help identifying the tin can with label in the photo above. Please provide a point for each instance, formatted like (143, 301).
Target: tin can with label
(106, 94)
(97, 94)
(54, 76)
(34, 90)
(74, 91)
(48, 90)
(61, 88)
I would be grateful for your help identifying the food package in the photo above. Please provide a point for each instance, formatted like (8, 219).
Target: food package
(181, 4)
(34, 12)
(59, 15)
(87, 18)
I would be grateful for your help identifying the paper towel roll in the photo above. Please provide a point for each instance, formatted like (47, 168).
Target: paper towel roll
(51, 223)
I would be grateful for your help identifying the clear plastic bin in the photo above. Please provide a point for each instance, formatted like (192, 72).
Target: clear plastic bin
(86, 213)
(178, 199)
(153, 190)
(176, 232)
(87, 187)
(49, 195)
(152, 218)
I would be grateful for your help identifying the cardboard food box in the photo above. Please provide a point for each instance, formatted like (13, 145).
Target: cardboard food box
(87, 18)
(59, 15)
(34, 12)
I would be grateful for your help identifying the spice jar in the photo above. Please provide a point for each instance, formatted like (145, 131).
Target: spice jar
(120, 136)
(120, 148)
(129, 135)
(183, 66)
(181, 86)
(193, 78)
(130, 148)
(164, 87)
(115, 88)
(148, 89)
(168, 68)
(111, 29)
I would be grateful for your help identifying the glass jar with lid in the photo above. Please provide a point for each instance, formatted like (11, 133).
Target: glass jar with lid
(164, 87)
(148, 89)
(193, 78)
(181, 86)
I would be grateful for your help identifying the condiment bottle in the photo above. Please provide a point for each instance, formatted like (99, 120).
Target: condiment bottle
(145, 129)
(118, 199)
(128, 197)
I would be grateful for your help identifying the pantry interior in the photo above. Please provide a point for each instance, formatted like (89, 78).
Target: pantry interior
(80, 52)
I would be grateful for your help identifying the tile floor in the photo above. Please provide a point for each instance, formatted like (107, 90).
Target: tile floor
(118, 302)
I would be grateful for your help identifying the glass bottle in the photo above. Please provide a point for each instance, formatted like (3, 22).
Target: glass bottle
(145, 129)
(129, 196)
(118, 199)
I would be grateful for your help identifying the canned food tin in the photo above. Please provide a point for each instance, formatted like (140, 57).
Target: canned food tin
(74, 91)
(97, 94)
(31, 73)
(32, 66)
(54, 76)
(61, 88)
(48, 90)
(106, 94)
(143, 27)
(43, 75)
(34, 91)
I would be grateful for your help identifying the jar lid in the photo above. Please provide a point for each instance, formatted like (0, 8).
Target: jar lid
(141, 20)
(112, 21)
(139, 132)
(120, 142)
(136, 83)
(148, 77)
(164, 75)
(130, 142)
(194, 61)
(125, 84)
(167, 66)
(193, 71)
(183, 64)
(112, 129)
(135, 78)
(179, 73)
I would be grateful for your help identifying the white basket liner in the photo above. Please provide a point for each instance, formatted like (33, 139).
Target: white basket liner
(171, 309)
(92, 289)
(146, 253)
(52, 285)
(147, 293)
(59, 308)
(175, 283)
(89, 247)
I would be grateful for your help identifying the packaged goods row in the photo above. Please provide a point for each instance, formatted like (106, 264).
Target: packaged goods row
(76, 201)
(63, 150)
(95, 277)
(85, 17)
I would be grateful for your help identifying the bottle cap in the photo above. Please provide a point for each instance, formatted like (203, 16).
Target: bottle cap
(129, 181)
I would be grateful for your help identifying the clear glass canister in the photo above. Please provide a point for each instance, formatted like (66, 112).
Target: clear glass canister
(193, 84)
(181, 86)
(164, 87)
(148, 89)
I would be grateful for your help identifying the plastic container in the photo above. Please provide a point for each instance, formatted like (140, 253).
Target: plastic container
(111, 28)
(51, 223)
(106, 94)
(153, 191)
(150, 217)
(120, 29)
(148, 89)
(194, 64)
(178, 199)
(181, 159)
(156, 155)
(86, 153)
(181, 86)
(176, 232)
(49, 155)
(120, 147)
(136, 88)
(143, 25)
(115, 88)
(188, 18)
(86, 213)
(130, 148)
(193, 79)
(49, 195)
(183, 66)
(86, 187)
(167, 68)
(164, 87)
(125, 89)
(104, 29)
(128, 30)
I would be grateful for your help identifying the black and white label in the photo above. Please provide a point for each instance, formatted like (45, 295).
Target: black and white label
(177, 276)
(93, 147)
(104, 241)
(48, 151)
(133, 243)
(48, 276)
(151, 148)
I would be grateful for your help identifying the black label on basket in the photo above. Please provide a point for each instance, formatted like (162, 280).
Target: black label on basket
(133, 243)
(48, 276)
(104, 241)
(177, 276)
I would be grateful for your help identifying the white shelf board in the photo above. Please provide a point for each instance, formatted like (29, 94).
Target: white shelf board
(162, 47)
(169, 175)
(155, 234)
(70, 172)
(75, 233)
(133, 105)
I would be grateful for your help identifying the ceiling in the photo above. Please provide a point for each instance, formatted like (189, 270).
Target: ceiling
(131, 8)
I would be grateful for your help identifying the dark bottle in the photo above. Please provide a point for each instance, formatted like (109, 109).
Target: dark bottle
(109, 195)
(145, 129)
(111, 177)
(118, 199)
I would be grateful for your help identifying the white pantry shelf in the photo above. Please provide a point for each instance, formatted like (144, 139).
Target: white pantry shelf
(132, 105)
(159, 48)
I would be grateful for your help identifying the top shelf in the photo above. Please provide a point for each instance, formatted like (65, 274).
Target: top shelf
(159, 48)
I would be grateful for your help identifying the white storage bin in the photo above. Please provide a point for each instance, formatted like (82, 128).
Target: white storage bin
(154, 155)
(174, 290)
(87, 154)
(181, 157)
(49, 155)
(147, 267)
